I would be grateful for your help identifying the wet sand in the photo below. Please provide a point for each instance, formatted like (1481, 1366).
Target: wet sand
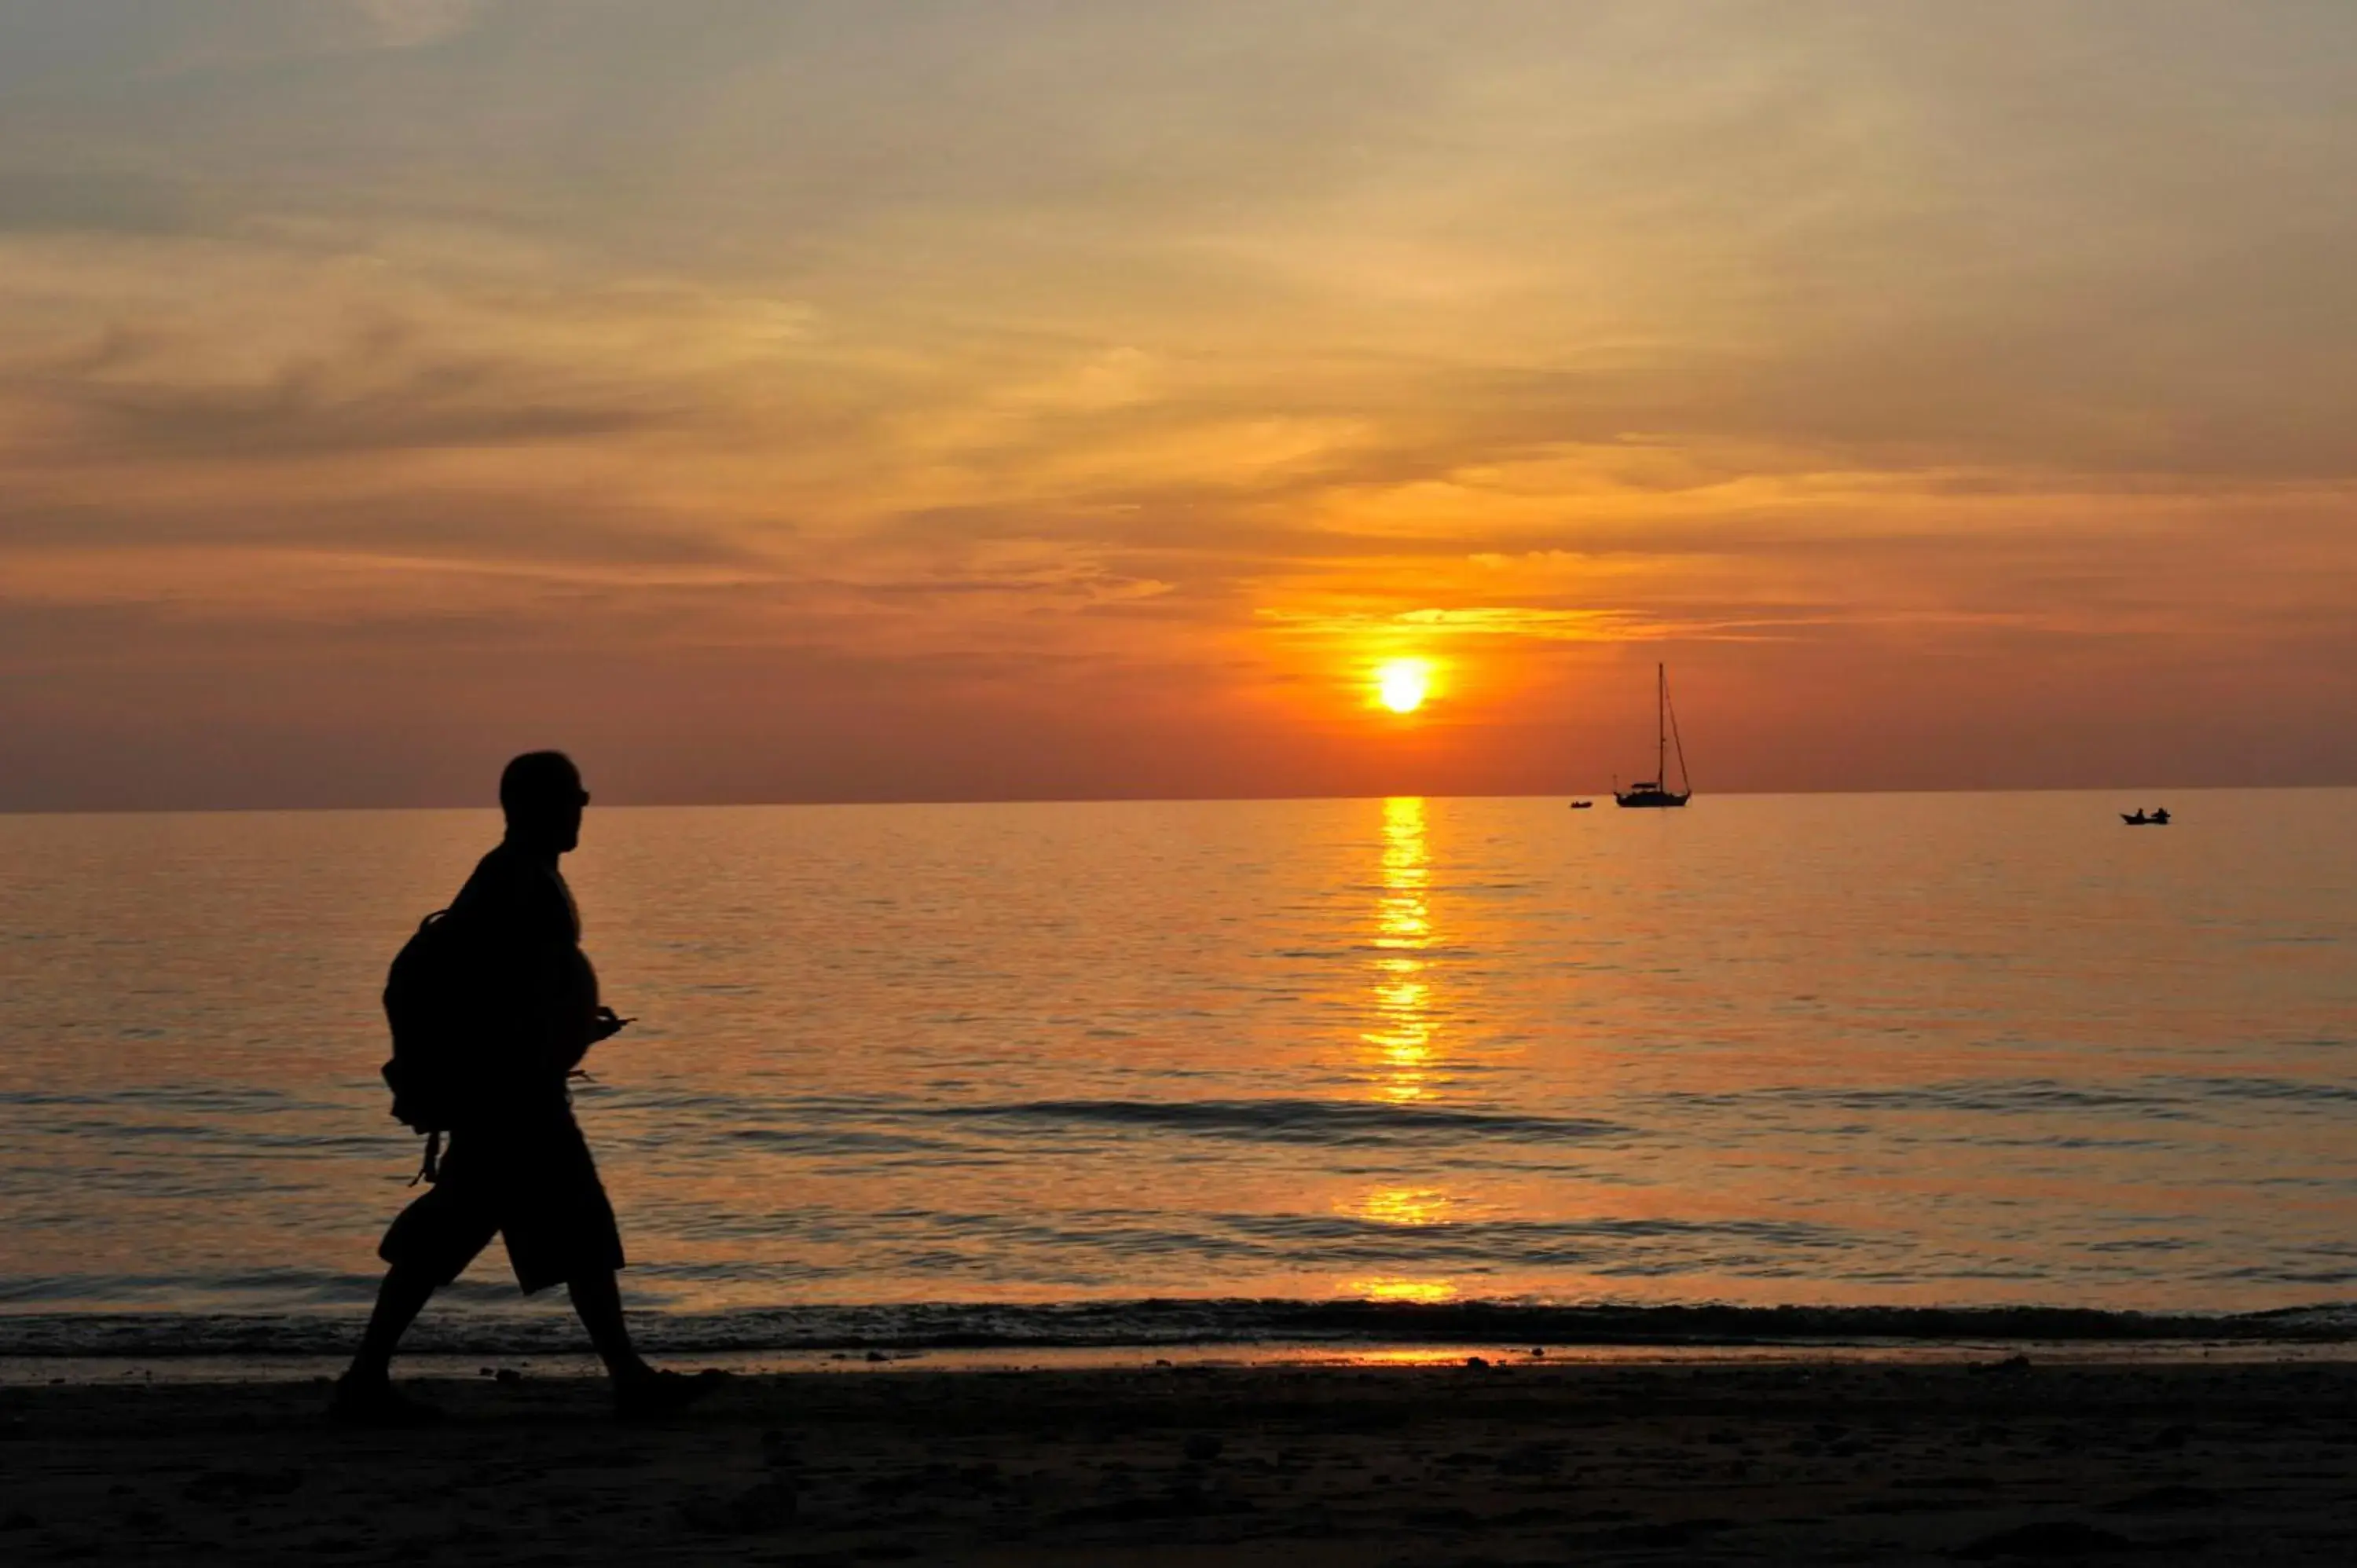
(1521, 1462)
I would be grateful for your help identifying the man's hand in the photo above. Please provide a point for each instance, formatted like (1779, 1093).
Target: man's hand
(606, 1024)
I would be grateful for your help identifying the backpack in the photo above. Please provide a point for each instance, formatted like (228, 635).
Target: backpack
(433, 999)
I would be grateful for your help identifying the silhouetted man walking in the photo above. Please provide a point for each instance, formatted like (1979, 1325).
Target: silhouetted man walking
(518, 1166)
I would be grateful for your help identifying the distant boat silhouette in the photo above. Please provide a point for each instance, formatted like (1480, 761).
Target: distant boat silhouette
(1654, 792)
(2158, 818)
(1581, 805)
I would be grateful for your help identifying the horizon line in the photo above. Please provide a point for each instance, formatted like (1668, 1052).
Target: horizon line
(848, 803)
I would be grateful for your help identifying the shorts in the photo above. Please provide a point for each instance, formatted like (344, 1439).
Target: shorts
(532, 1183)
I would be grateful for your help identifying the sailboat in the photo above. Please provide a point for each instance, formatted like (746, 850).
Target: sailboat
(1654, 791)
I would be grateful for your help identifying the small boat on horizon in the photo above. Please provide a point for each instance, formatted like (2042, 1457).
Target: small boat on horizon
(1655, 792)
(1582, 805)
(2157, 818)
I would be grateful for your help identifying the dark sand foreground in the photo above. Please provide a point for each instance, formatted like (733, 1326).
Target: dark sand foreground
(2150, 1463)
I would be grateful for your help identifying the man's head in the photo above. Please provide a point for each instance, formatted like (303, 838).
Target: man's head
(540, 793)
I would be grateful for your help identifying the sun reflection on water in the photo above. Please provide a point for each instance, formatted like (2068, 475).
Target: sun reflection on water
(1403, 1206)
(1403, 1035)
(1401, 1042)
(1392, 1289)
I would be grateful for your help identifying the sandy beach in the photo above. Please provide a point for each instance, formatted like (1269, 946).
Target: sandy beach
(1517, 1462)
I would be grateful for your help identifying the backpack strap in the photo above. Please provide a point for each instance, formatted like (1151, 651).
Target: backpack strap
(431, 1171)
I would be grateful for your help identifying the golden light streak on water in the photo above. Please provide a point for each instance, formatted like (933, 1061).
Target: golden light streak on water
(1404, 1204)
(1389, 1289)
(1401, 991)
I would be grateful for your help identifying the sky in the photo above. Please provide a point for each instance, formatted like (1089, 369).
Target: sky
(898, 400)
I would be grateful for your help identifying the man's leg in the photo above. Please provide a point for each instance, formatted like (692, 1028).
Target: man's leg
(640, 1390)
(365, 1396)
(598, 1297)
(429, 1243)
(398, 1300)
(564, 1230)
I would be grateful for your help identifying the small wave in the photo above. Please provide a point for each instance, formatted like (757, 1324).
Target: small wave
(1526, 1241)
(1088, 1238)
(2273, 1090)
(1165, 1322)
(2164, 1097)
(310, 1287)
(224, 1100)
(1326, 1121)
(822, 1143)
(171, 1136)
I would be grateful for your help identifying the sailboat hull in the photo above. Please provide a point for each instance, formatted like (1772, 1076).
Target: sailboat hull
(1656, 798)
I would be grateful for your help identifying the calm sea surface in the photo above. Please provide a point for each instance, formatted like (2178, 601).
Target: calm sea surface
(1891, 1050)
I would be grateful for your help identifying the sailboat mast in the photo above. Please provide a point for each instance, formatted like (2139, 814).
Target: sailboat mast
(1661, 725)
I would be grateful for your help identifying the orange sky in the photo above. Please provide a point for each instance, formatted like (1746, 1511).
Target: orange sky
(885, 400)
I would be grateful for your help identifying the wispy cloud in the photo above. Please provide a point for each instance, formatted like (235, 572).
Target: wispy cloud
(1132, 373)
(408, 23)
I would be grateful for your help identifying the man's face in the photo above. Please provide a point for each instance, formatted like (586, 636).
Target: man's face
(555, 821)
(567, 823)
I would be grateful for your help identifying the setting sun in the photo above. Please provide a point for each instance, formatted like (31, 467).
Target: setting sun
(1402, 684)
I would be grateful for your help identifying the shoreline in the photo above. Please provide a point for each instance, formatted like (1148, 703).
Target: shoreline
(1799, 1459)
(26, 1371)
(1344, 1325)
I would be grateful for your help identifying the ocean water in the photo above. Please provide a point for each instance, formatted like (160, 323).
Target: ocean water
(968, 1069)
